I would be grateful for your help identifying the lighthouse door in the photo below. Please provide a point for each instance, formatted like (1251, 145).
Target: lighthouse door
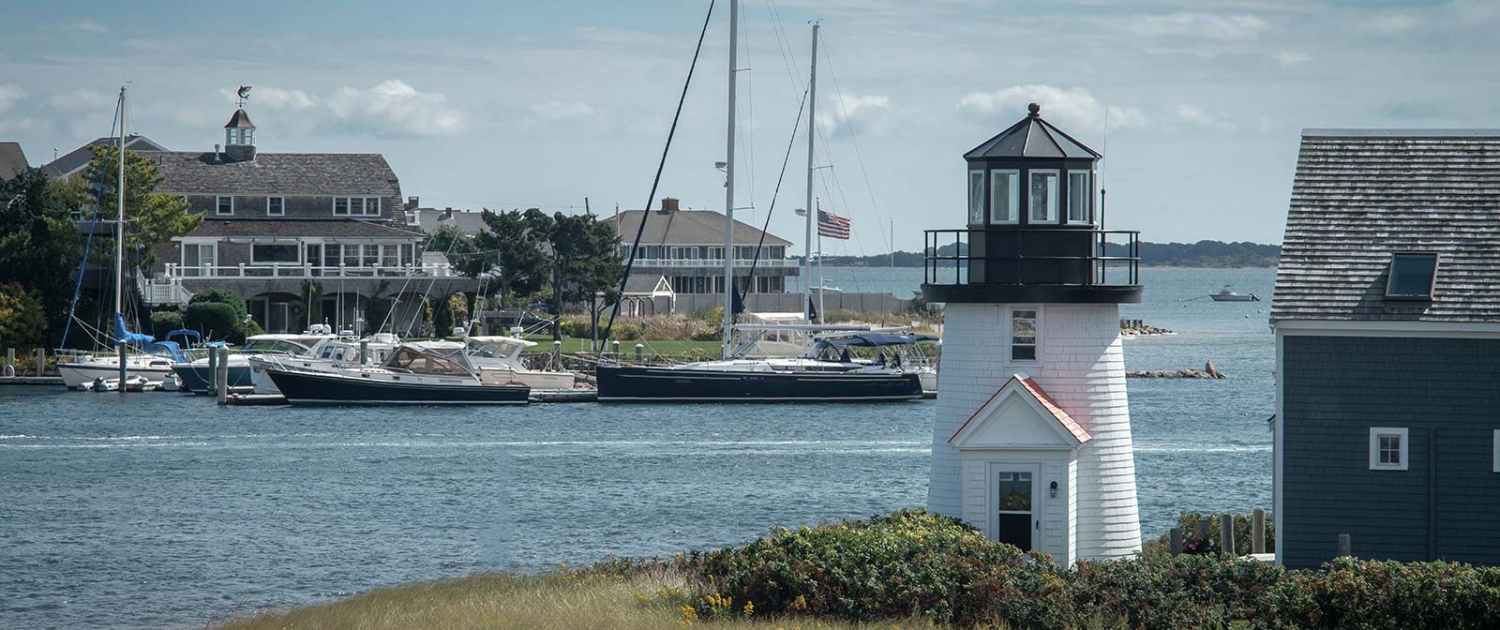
(1015, 514)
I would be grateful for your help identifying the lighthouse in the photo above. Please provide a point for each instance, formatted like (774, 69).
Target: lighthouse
(1032, 440)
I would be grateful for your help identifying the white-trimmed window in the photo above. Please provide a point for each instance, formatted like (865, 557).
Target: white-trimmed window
(224, 205)
(1005, 196)
(356, 206)
(275, 254)
(1388, 448)
(976, 197)
(1044, 196)
(275, 206)
(1023, 334)
(1079, 194)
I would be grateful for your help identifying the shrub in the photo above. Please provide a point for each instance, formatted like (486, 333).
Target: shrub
(23, 324)
(222, 296)
(1188, 521)
(217, 321)
(576, 326)
(1371, 594)
(163, 322)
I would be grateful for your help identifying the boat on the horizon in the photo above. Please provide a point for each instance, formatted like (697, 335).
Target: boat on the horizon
(1228, 294)
(422, 373)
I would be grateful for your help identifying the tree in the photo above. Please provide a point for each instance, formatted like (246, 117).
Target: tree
(154, 218)
(516, 240)
(461, 250)
(23, 324)
(585, 262)
(442, 317)
(216, 321)
(39, 244)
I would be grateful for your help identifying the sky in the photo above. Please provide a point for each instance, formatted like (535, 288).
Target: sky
(512, 104)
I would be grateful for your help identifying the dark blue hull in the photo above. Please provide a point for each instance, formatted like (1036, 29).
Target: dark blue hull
(647, 384)
(199, 381)
(306, 388)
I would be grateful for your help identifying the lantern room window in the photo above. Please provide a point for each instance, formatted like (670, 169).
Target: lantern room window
(976, 197)
(1079, 194)
(1043, 197)
(1005, 196)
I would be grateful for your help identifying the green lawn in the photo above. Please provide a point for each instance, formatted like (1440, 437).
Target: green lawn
(677, 349)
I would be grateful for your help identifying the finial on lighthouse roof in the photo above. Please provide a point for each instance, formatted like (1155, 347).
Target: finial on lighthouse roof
(1034, 109)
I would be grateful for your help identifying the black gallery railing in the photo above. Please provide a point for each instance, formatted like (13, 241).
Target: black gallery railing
(1114, 259)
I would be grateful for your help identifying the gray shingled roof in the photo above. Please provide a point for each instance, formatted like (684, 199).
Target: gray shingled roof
(79, 157)
(1361, 195)
(643, 283)
(277, 174)
(687, 227)
(292, 228)
(12, 160)
(1032, 137)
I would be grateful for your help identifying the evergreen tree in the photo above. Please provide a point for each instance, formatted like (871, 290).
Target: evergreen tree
(153, 218)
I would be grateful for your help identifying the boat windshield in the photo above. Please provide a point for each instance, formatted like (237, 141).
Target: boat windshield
(492, 348)
(272, 346)
(419, 362)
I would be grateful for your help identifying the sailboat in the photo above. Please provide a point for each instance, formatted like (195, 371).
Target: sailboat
(151, 359)
(813, 378)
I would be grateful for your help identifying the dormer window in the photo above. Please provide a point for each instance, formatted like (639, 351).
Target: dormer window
(1043, 196)
(1412, 276)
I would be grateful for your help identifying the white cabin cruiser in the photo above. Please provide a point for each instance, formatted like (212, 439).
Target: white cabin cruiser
(498, 360)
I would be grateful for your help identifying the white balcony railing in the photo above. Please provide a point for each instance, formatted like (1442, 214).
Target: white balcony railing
(442, 270)
(710, 262)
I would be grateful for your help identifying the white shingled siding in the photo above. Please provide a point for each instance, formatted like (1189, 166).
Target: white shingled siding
(1080, 364)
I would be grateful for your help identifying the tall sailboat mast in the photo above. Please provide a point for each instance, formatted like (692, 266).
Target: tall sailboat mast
(812, 98)
(734, 30)
(120, 244)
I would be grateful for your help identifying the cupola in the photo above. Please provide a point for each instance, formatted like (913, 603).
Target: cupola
(239, 137)
(1034, 228)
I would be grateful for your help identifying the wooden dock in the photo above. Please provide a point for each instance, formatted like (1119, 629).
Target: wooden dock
(55, 381)
(564, 395)
(254, 400)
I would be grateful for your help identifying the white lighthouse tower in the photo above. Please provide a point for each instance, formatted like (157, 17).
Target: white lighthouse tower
(1032, 437)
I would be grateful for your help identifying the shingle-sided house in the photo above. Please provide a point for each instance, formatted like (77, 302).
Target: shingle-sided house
(1387, 321)
(687, 246)
(282, 226)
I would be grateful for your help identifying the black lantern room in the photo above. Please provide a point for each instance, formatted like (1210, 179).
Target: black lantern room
(1034, 226)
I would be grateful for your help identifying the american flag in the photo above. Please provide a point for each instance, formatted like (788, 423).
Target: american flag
(833, 226)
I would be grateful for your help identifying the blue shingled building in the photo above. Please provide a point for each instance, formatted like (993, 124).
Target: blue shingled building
(1387, 320)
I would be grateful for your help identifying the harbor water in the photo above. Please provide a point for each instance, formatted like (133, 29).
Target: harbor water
(166, 511)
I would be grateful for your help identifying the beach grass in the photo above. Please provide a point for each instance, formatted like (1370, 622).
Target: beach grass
(559, 600)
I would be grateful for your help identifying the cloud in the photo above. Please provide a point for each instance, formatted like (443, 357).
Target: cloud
(1291, 58)
(860, 113)
(9, 95)
(1390, 24)
(1196, 116)
(1227, 28)
(90, 26)
(272, 98)
(1074, 108)
(394, 109)
(81, 99)
(553, 111)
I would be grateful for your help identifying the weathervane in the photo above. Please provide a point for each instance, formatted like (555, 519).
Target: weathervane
(244, 94)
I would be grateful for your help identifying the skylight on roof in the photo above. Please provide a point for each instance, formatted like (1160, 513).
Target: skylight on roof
(1412, 276)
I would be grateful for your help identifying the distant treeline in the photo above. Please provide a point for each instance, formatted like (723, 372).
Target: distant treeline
(1199, 254)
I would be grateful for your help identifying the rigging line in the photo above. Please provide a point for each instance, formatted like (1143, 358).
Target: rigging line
(828, 58)
(747, 132)
(84, 262)
(646, 213)
(755, 260)
(430, 284)
(788, 57)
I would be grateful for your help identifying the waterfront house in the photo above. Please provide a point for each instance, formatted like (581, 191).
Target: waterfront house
(1031, 435)
(1387, 323)
(77, 160)
(687, 246)
(281, 228)
(12, 160)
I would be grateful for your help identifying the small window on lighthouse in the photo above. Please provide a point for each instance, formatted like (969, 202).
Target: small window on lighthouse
(1005, 196)
(1043, 197)
(976, 197)
(1078, 197)
(1023, 335)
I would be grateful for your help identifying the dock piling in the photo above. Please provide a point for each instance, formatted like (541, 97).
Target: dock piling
(556, 355)
(1226, 533)
(10, 361)
(41, 361)
(1203, 525)
(1175, 536)
(1258, 531)
(364, 351)
(213, 370)
(1344, 546)
(640, 352)
(221, 378)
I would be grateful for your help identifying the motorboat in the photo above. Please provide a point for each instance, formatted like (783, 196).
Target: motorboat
(1228, 294)
(423, 373)
(827, 372)
(330, 353)
(498, 360)
(197, 378)
(146, 358)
